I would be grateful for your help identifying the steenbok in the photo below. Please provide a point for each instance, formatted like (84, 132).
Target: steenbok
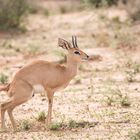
(41, 76)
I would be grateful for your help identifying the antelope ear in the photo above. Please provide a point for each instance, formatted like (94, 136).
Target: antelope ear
(64, 44)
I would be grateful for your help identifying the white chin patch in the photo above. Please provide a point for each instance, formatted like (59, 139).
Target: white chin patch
(38, 89)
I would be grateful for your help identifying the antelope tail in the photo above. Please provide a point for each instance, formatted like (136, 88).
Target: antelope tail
(4, 87)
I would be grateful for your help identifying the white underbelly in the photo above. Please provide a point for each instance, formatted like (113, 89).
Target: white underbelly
(38, 88)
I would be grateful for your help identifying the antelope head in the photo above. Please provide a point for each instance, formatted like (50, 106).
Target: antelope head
(74, 53)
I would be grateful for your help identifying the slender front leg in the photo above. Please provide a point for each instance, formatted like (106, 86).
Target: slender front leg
(50, 102)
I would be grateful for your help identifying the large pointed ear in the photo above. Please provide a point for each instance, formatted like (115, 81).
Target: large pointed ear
(64, 44)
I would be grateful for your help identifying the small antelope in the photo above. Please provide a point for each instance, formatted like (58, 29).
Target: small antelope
(41, 76)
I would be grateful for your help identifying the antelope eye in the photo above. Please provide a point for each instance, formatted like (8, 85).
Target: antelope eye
(76, 52)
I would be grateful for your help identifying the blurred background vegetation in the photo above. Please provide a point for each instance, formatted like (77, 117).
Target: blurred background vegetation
(97, 23)
(108, 31)
(13, 12)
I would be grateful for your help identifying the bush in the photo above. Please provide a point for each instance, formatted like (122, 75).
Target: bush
(136, 15)
(55, 126)
(25, 125)
(99, 3)
(41, 117)
(3, 78)
(133, 9)
(11, 13)
(96, 3)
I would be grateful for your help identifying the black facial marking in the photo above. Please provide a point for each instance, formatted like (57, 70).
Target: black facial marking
(33, 95)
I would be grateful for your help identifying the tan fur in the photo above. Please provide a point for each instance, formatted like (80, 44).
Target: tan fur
(4, 87)
(40, 74)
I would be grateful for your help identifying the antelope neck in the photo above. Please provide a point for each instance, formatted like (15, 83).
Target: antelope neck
(71, 66)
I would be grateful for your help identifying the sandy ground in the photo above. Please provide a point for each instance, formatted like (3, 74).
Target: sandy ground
(101, 96)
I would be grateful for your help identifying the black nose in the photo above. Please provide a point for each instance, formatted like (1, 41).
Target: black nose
(87, 56)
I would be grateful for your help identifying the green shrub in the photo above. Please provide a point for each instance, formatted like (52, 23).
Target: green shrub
(125, 101)
(55, 126)
(3, 78)
(33, 8)
(99, 3)
(133, 9)
(112, 2)
(95, 3)
(25, 125)
(63, 9)
(136, 15)
(41, 116)
(11, 13)
(46, 12)
(134, 135)
(73, 124)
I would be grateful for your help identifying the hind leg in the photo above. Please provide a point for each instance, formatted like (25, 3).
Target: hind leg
(3, 109)
(11, 117)
(10, 109)
(21, 93)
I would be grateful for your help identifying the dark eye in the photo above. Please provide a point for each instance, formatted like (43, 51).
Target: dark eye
(76, 52)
